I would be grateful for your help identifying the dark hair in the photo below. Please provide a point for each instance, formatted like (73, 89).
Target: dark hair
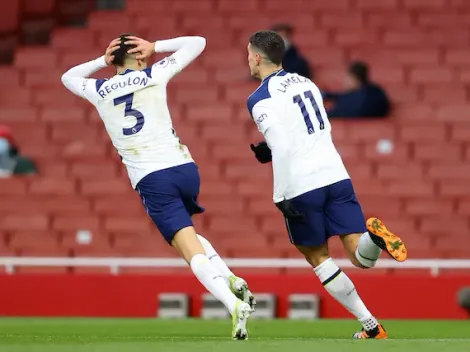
(121, 54)
(283, 27)
(360, 71)
(270, 44)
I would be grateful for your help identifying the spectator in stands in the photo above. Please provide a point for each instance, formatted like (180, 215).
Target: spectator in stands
(362, 97)
(293, 61)
(11, 161)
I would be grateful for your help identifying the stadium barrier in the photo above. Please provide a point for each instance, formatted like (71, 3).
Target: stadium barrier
(421, 296)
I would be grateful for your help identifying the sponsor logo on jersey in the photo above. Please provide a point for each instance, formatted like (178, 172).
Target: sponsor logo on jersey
(261, 118)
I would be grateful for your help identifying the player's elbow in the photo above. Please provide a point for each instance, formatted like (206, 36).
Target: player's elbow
(64, 79)
(201, 41)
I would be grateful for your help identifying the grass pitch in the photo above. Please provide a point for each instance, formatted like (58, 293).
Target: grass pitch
(139, 335)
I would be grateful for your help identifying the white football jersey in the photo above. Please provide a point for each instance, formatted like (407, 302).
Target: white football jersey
(134, 110)
(288, 110)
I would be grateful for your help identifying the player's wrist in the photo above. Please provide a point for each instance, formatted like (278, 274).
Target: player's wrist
(101, 62)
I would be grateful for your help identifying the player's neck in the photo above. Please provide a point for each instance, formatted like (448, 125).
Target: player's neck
(267, 71)
(120, 70)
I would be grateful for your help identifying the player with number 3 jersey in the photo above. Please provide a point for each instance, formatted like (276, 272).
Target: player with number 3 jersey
(134, 110)
(312, 187)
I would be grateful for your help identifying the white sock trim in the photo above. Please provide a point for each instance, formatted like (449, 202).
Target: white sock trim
(368, 263)
(367, 252)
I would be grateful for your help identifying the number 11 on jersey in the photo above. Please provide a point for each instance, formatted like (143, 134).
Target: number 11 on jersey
(298, 100)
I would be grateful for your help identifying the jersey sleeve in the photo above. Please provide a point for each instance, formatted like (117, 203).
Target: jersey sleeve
(265, 117)
(185, 49)
(76, 79)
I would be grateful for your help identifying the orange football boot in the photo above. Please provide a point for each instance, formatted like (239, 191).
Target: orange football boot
(386, 240)
(378, 333)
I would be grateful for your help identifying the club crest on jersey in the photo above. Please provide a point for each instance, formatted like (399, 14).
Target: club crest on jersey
(162, 63)
(165, 62)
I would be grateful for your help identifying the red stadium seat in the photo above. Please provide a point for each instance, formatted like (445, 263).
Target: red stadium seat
(35, 57)
(52, 186)
(38, 21)
(37, 222)
(14, 97)
(10, 77)
(68, 38)
(19, 113)
(71, 223)
(9, 24)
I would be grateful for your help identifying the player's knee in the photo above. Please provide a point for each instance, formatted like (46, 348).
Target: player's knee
(315, 255)
(187, 243)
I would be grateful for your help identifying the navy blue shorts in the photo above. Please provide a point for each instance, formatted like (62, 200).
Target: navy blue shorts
(329, 211)
(170, 198)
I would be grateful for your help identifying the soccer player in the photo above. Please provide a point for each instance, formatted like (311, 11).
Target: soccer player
(134, 110)
(311, 185)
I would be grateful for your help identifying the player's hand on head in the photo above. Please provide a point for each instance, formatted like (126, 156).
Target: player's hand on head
(289, 211)
(143, 48)
(112, 47)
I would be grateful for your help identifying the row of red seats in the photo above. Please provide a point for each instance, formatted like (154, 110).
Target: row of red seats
(131, 237)
(210, 6)
(42, 105)
(448, 124)
(32, 21)
(420, 188)
(446, 187)
(51, 96)
(114, 205)
(326, 54)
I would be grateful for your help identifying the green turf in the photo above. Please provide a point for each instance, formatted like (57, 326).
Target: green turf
(136, 335)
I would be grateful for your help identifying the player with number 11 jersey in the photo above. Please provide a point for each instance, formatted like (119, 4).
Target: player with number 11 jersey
(312, 188)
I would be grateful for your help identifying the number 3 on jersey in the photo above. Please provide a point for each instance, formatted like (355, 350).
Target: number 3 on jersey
(128, 111)
(298, 100)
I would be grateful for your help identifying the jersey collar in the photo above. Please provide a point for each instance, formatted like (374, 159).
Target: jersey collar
(126, 72)
(275, 73)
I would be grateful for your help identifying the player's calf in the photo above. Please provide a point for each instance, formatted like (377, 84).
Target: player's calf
(188, 245)
(338, 284)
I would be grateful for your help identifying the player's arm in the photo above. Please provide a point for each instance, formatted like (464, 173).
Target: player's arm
(76, 79)
(185, 50)
(265, 117)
